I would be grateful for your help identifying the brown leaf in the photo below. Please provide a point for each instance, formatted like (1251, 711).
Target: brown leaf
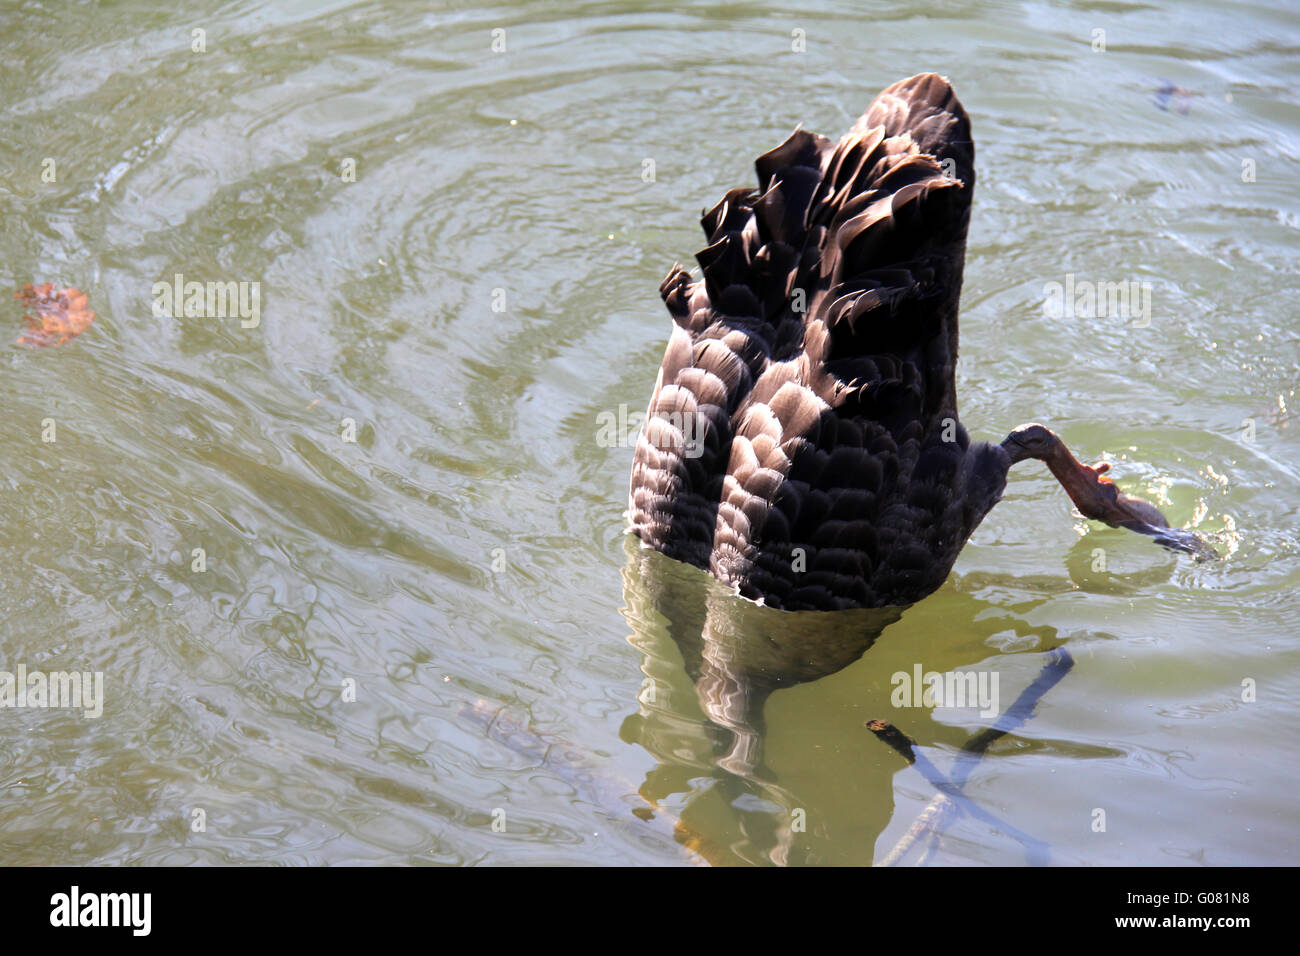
(55, 317)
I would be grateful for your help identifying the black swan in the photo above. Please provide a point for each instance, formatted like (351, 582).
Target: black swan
(802, 442)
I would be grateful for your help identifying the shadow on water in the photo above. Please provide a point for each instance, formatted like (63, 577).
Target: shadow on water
(712, 661)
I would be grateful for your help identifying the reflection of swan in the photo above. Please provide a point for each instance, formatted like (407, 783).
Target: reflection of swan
(802, 441)
(735, 655)
(711, 662)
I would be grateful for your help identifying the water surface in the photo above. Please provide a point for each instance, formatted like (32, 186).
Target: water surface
(473, 306)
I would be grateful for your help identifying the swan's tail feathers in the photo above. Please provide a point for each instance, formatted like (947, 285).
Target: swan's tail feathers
(926, 108)
(896, 199)
(851, 252)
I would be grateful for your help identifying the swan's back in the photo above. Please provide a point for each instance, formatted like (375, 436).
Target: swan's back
(802, 441)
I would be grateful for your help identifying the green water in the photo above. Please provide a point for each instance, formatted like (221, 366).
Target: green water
(478, 297)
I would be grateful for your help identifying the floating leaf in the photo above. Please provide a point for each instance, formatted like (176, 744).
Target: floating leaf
(55, 317)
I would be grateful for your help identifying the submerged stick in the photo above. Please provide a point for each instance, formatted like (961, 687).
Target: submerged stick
(951, 803)
(1059, 663)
